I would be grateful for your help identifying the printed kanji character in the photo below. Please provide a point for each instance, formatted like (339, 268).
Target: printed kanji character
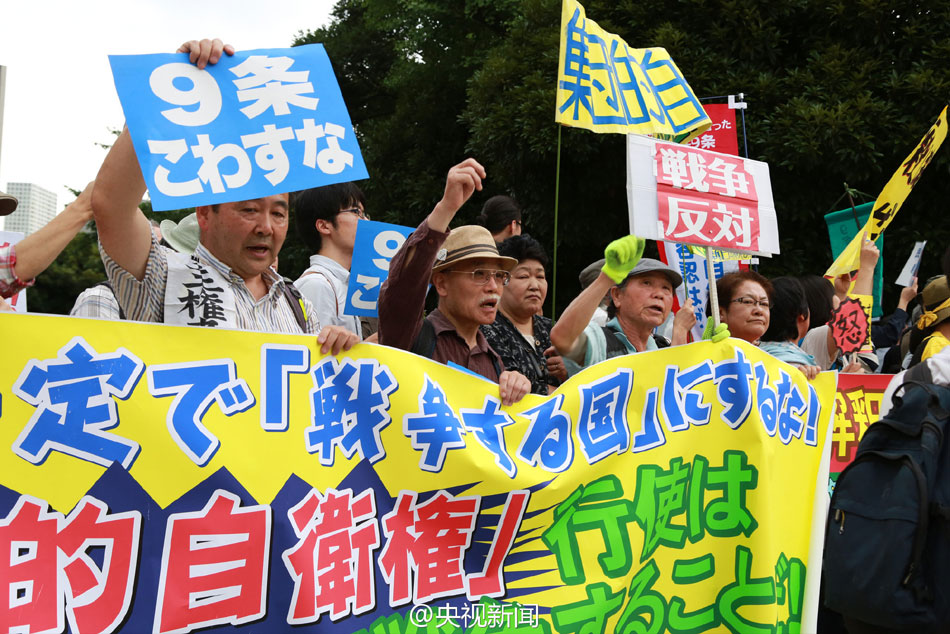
(673, 167)
(688, 265)
(688, 213)
(646, 608)
(211, 156)
(732, 379)
(844, 436)
(487, 425)
(729, 177)
(547, 442)
(278, 362)
(600, 506)
(745, 590)
(920, 159)
(332, 561)
(435, 428)
(202, 300)
(576, 67)
(195, 386)
(269, 83)
(672, 93)
(660, 497)
(735, 226)
(350, 407)
(491, 581)
(602, 423)
(627, 73)
(172, 150)
(707, 142)
(849, 326)
(727, 514)
(98, 597)
(74, 396)
(790, 590)
(605, 70)
(425, 545)
(30, 593)
(214, 566)
(270, 155)
(688, 572)
(588, 616)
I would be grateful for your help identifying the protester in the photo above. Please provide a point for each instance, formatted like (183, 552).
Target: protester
(788, 322)
(326, 220)
(501, 216)
(745, 304)
(520, 334)
(641, 292)
(231, 266)
(469, 277)
(931, 332)
(22, 262)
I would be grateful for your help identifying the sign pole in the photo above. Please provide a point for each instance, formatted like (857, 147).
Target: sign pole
(713, 294)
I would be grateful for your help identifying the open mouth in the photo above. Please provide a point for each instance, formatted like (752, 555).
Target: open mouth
(259, 251)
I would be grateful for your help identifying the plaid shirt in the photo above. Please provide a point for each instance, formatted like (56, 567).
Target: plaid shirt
(97, 302)
(145, 300)
(10, 284)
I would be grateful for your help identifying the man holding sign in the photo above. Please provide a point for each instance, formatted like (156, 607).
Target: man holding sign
(229, 281)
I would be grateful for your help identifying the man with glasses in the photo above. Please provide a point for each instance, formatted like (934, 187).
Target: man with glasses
(469, 277)
(326, 221)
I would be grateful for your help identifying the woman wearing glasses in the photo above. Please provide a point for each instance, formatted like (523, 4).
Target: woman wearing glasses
(745, 300)
(520, 334)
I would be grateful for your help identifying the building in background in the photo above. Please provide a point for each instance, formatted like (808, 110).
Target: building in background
(36, 207)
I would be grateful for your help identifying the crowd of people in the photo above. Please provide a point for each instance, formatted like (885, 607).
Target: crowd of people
(488, 283)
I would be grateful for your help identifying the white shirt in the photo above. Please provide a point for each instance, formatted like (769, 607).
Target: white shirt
(324, 284)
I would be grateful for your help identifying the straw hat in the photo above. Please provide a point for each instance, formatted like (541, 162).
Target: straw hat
(470, 242)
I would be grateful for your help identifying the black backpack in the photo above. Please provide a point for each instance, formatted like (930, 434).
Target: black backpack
(887, 542)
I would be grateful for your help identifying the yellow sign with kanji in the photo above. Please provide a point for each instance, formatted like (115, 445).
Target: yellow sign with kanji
(603, 85)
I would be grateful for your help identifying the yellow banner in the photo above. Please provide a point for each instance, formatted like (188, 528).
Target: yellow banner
(603, 85)
(378, 490)
(893, 195)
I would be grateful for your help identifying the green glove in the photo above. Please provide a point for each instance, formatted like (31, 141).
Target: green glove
(622, 256)
(716, 334)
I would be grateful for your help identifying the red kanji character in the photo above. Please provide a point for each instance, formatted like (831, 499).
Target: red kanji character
(98, 600)
(214, 566)
(28, 569)
(491, 582)
(332, 564)
(429, 539)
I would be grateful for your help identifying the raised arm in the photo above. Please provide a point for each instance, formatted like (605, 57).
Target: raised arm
(38, 250)
(124, 232)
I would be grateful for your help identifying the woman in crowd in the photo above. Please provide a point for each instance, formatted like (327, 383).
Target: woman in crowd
(501, 216)
(787, 324)
(520, 335)
(745, 301)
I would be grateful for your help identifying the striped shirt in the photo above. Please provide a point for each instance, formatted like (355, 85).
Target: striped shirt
(10, 284)
(145, 300)
(96, 302)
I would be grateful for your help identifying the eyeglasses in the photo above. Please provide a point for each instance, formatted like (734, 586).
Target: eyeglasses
(764, 304)
(356, 210)
(481, 276)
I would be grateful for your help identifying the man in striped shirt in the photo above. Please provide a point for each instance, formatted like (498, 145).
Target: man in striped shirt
(229, 281)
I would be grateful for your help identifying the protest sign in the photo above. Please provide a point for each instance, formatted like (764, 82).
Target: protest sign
(843, 226)
(909, 272)
(681, 194)
(692, 266)
(241, 478)
(721, 135)
(858, 401)
(603, 85)
(374, 246)
(18, 300)
(893, 195)
(851, 323)
(255, 124)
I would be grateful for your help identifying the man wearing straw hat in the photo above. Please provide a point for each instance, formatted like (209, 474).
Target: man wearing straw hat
(469, 276)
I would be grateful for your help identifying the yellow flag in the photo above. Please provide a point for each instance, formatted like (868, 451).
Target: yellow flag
(606, 86)
(893, 195)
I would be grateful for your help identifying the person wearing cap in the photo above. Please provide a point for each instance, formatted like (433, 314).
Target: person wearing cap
(21, 263)
(326, 220)
(931, 332)
(586, 277)
(229, 281)
(641, 295)
(469, 277)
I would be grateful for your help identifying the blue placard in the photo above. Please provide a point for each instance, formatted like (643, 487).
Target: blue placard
(255, 124)
(375, 245)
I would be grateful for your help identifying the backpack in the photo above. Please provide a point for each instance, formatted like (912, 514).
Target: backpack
(887, 541)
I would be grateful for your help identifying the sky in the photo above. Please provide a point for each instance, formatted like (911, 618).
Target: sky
(60, 98)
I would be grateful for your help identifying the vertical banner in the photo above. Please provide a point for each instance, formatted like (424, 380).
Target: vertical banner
(858, 404)
(721, 135)
(375, 245)
(692, 266)
(256, 123)
(171, 479)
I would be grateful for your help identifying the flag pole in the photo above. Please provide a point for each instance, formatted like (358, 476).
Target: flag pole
(557, 191)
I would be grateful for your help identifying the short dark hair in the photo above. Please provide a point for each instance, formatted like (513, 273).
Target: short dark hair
(323, 203)
(727, 284)
(788, 304)
(498, 212)
(819, 293)
(523, 247)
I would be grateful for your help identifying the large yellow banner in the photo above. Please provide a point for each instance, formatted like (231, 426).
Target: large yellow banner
(167, 479)
(603, 85)
(893, 195)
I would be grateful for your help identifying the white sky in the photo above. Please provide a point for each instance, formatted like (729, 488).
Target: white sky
(60, 99)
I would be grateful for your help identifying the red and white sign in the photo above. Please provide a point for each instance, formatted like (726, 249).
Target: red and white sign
(721, 136)
(687, 195)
